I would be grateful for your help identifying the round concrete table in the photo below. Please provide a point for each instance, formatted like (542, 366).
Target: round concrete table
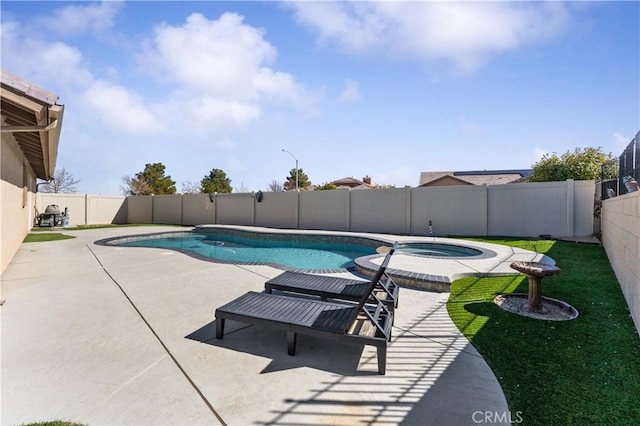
(535, 271)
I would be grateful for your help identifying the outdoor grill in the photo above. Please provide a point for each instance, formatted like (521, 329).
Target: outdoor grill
(52, 216)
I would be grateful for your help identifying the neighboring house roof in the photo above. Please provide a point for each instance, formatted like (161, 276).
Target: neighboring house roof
(480, 177)
(363, 186)
(33, 117)
(441, 178)
(351, 183)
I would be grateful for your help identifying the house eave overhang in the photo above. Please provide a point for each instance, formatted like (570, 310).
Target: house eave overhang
(34, 119)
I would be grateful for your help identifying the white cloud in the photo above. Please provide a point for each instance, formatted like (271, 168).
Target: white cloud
(78, 19)
(219, 70)
(48, 64)
(61, 66)
(218, 56)
(350, 92)
(209, 108)
(353, 26)
(463, 34)
(218, 74)
(121, 110)
(279, 86)
(223, 59)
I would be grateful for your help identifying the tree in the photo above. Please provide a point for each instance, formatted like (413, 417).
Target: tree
(62, 182)
(610, 169)
(303, 180)
(189, 187)
(275, 186)
(216, 181)
(328, 186)
(159, 183)
(149, 181)
(135, 185)
(242, 189)
(579, 164)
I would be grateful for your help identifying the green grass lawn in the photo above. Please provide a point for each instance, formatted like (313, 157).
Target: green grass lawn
(578, 372)
(49, 236)
(83, 227)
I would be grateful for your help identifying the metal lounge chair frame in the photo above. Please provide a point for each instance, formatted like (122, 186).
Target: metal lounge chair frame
(362, 323)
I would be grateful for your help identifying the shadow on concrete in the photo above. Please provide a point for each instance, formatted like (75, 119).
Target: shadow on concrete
(426, 381)
(335, 357)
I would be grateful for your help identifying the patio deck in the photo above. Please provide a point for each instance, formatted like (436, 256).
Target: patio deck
(124, 335)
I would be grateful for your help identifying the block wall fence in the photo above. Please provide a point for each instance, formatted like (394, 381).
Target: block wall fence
(621, 239)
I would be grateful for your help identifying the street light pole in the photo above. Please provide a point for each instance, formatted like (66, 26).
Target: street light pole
(294, 157)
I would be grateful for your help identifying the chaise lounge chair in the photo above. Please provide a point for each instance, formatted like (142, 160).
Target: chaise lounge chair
(328, 287)
(362, 323)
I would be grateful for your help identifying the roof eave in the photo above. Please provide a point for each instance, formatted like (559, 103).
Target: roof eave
(56, 112)
(40, 115)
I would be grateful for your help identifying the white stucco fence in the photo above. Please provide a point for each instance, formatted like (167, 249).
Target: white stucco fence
(560, 209)
(86, 209)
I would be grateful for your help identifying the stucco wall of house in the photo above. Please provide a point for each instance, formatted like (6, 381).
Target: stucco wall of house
(17, 187)
(621, 239)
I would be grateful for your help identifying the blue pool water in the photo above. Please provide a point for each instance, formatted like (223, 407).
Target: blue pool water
(439, 250)
(308, 252)
(296, 254)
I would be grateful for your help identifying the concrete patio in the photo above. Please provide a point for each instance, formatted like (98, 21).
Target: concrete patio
(123, 335)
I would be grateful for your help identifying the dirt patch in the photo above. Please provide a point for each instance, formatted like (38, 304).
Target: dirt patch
(552, 309)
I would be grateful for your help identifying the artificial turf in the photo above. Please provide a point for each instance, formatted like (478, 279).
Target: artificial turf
(577, 372)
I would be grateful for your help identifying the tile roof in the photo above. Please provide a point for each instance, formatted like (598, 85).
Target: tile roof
(481, 177)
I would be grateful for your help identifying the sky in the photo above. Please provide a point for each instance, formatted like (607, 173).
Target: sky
(384, 89)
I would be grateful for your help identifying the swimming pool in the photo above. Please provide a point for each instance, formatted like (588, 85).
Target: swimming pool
(287, 250)
(316, 255)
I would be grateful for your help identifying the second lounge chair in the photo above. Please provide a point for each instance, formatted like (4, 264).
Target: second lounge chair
(329, 287)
